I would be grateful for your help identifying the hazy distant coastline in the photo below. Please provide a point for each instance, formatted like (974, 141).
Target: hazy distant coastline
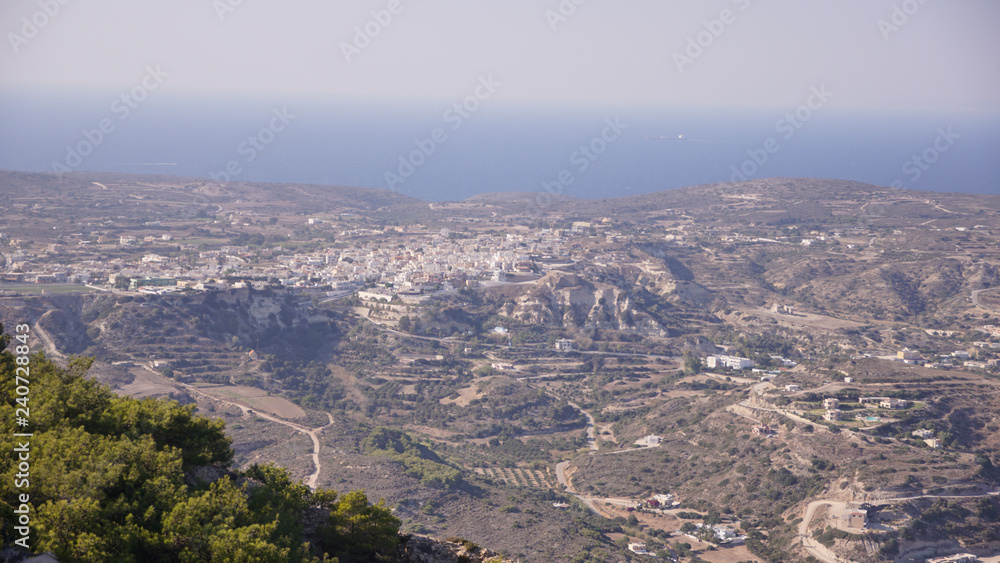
(496, 149)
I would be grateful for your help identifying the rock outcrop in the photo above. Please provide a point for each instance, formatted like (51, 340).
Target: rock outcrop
(422, 549)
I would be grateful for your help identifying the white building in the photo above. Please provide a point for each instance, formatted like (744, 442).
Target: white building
(894, 404)
(725, 534)
(785, 362)
(651, 441)
(663, 499)
(639, 548)
(729, 362)
(564, 345)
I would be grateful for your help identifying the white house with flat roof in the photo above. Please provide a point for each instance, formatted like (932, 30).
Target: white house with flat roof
(564, 345)
(651, 441)
(639, 548)
(729, 362)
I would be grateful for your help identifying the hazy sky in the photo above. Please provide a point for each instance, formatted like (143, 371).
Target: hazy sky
(875, 54)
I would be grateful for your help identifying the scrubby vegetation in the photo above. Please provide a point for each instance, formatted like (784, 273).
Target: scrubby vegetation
(419, 460)
(116, 479)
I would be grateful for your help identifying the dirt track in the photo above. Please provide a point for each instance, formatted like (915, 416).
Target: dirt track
(311, 432)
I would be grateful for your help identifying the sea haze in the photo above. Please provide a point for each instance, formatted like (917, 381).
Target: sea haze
(496, 148)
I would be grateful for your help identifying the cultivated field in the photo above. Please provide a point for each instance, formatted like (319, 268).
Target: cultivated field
(254, 398)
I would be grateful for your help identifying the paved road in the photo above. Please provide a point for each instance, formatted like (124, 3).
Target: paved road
(616, 452)
(589, 502)
(561, 466)
(976, 302)
(816, 549)
(561, 473)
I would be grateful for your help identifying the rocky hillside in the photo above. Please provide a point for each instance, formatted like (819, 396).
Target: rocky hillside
(643, 300)
(207, 335)
(907, 284)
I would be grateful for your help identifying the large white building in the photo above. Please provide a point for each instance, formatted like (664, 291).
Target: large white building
(730, 362)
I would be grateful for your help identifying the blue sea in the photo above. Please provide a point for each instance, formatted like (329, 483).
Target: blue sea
(444, 152)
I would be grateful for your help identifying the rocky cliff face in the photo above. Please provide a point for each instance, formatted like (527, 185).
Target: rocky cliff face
(646, 298)
(422, 549)
(566, 299)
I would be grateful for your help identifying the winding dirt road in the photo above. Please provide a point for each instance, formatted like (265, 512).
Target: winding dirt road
(311, 432)
(591, 435)
(48, 345)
